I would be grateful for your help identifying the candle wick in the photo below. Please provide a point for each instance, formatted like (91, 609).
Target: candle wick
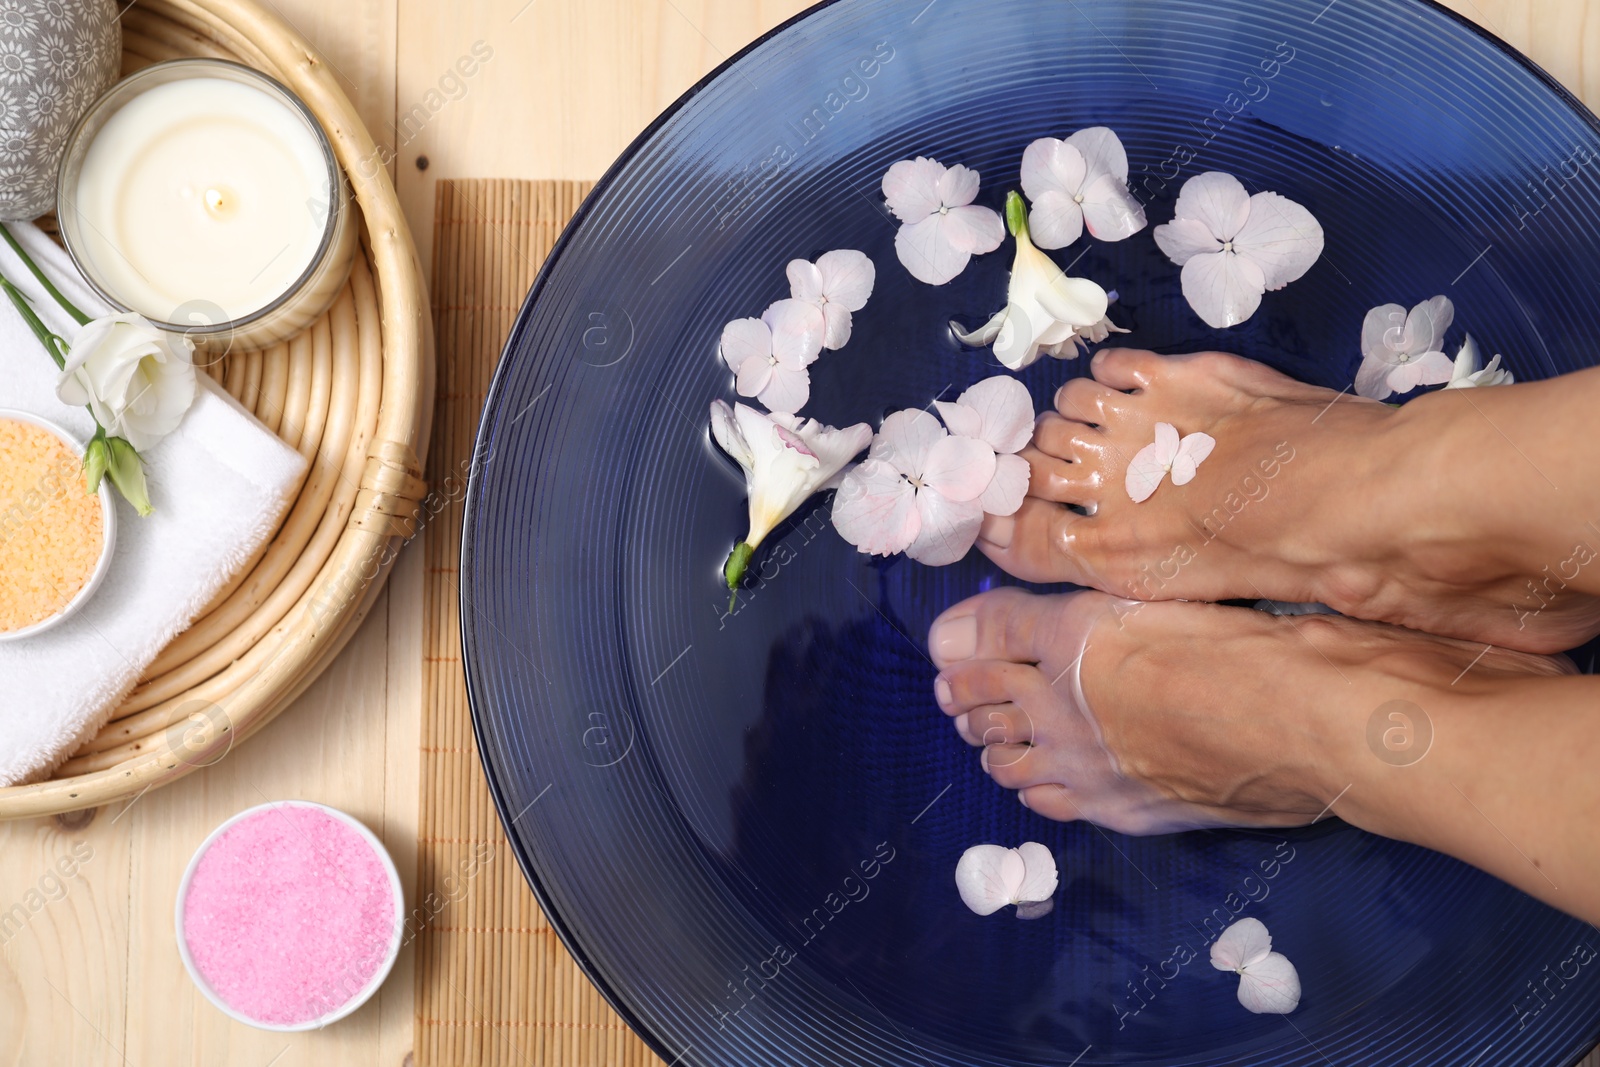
(213, 200)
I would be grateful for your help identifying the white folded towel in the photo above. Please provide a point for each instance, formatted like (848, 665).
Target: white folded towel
(220, 485)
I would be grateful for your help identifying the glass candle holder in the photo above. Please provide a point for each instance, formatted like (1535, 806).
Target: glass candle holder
(205, 196)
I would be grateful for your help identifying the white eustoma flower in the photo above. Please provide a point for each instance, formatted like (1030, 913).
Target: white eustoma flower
(1233, 247)
(1045, 310)
(989, 877)
(1268, 982)
(942, 229)
(769, 355)
(1400, 351)
(1076, 183)
(785, 460)
(838, 284)
(999, 412)
(137, 380)
(1166, 455)
(918, 491)
(1467, 375)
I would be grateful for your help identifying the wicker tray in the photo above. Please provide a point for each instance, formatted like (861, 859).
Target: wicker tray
(353, 394)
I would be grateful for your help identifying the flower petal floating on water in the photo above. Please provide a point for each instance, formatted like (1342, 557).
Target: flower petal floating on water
(999, 412)
(785, 460)
(1402, 350)
(1268, 982)
(838, 283)
(1467, 375)
(1233, 247)
(1045, 309)
(1076, 183)
(989, 877)
(1167, 454)
(942, 229)
(769, 355)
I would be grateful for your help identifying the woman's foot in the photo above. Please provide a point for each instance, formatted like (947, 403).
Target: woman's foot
(1309, 495)
(1155, 717)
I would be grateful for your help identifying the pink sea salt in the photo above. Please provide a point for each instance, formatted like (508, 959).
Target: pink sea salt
(289, 914)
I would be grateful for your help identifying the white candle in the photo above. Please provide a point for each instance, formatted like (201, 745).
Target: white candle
(204, 198)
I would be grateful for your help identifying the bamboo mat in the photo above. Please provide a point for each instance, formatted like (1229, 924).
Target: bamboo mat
(494, 984)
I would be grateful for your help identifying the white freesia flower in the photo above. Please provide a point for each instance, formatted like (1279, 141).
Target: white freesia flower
(999, 412)
(1401, 351)
(942, 228)
(1045, 309)
(785, 460)
(1233, 247)
(1466, 375)
(989, 877)
(1168, 454)
(918, 491)
(1077, 183)
(769, 355)
(838, 284)
(138, 381)
(1268, 982)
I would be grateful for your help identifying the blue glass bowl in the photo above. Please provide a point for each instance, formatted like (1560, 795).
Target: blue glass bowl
(745, 825)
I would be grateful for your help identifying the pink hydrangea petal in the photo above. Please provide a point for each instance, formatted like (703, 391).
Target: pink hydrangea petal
(1425, 326)
(978, 230)
(1270, 986)
(744, 339)
(1383, 332)
(911, 188)
(1009, 486)
(1005, 412)
(1433, 368)
(1040, 877)
(1146, 470)
(1372, 378)
(1216, 199)
(1245, 942)
(1055, 220)
(797, 327)
(1103, 154)
(1223, 288)
(1050, 165)
(847, 277)
(805, 280)
(987, 876)
(1283, 238)
(787, 390)
(1183, 239)
(958, 468)
(905, 439)
(958, 186)
(925, 250)
(1109, 211)
(1404, 377)
(949, 529)
(754, 375)
(836, 324)
(1192, 451)
(875, 509)
(959, 418)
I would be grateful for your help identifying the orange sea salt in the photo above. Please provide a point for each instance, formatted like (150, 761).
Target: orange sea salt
(51, 527)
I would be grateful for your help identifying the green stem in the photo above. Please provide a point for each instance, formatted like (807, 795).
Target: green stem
(52, 343)
(1016, 214)
(49, 286)
(734, 569)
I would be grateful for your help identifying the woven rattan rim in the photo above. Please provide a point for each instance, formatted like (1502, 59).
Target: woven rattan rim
(353, 394)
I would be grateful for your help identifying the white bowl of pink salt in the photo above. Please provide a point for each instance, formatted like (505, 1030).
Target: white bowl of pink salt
(290, 916)
(56, 537)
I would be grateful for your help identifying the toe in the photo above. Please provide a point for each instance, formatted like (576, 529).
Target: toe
(1065, 438)
(1002, 624)
(1089, 401)
(1043, 542)
(997, 724)
(1126, 368)
(1009, 765)
(970, 684)
(1052, 801)
(1055, 479)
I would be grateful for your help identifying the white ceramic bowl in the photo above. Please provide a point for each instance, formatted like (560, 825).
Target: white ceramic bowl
(378, 976)
(108, 525)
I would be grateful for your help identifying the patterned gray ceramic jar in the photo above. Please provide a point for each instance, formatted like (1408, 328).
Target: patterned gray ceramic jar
(56, 58)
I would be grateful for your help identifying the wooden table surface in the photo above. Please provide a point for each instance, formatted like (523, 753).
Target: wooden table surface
(559, 88)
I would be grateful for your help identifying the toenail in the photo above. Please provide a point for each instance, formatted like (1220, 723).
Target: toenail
(1022, 798)
(963, 723)
(941, 692)
(954, 639)
(997, 530)
(983, 759)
